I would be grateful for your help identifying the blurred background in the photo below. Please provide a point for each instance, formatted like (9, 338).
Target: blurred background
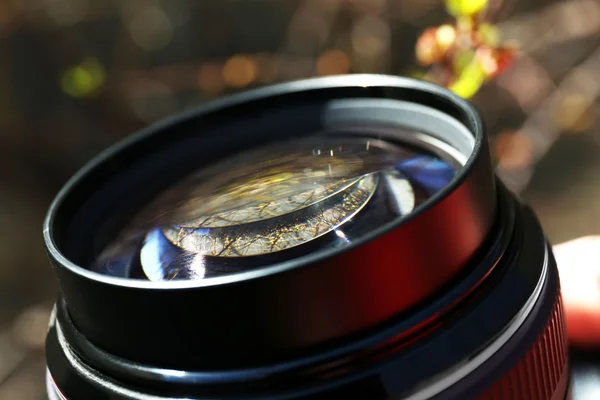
(78, 75)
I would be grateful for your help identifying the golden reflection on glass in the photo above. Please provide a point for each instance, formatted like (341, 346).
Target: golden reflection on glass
(220, 235)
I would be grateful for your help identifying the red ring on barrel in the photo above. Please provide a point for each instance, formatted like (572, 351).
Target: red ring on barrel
(543, 373)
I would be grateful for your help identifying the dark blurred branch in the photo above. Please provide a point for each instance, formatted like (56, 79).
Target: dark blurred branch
(541, 128)
(557, 23)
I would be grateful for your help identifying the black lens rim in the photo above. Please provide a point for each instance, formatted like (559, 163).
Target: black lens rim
(371, 86)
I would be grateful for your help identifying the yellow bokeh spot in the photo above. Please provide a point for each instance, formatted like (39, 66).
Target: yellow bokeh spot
(445, 36)
(465, 7)
(84, 79)
(470, 80)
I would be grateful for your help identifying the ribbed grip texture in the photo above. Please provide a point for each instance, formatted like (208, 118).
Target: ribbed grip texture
(542, 373)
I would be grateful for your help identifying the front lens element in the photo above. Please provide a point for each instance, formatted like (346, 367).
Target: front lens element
(311, 214)
(282, 201)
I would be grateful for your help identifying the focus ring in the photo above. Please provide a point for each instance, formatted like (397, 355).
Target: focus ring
(542, 374)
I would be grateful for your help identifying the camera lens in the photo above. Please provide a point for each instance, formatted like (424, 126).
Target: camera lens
(331, 237)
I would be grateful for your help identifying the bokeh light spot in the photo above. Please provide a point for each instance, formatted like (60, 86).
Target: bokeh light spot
(446, 36)
(333, 62)
(151, 28)
(371, 37)
(83, 80)
(426, 49)
(240, 71)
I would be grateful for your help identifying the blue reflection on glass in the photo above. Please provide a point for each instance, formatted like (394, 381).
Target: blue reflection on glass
(163, 260)
(431, 173)
(117, 266)
(156, 254)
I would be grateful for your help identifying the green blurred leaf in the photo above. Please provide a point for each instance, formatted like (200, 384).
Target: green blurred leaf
(465, 7)
(462, 59)
(470, 80)
(417, 75)
(489, 34)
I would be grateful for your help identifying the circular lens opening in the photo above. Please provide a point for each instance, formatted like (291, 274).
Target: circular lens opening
(274, 204)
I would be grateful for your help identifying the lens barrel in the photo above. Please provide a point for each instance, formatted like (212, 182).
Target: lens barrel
(341, 236)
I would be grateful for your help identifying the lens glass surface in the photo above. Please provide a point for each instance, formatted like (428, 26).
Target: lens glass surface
(274, 204)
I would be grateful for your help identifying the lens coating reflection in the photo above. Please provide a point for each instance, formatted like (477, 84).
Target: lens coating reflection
(272, 205)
